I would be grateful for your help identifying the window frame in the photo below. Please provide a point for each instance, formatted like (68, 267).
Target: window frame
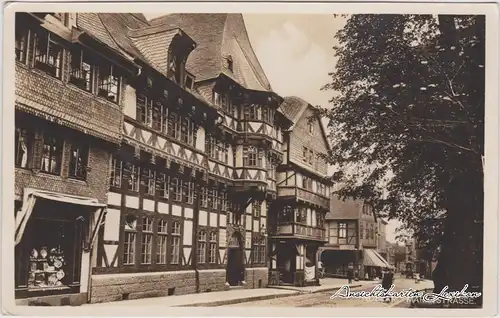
(83, 152)
(107, 81)
(57, 153)
(175, 243)
(28, 140)
(43, 42)
(76, 73)
(201, 247)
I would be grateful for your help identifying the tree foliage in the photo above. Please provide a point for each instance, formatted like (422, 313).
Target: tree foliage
(407, 119)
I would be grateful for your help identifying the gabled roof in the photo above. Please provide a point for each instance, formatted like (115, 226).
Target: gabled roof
(219, 36)
(293, 108)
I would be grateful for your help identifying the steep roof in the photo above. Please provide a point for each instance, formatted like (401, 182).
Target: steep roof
(219, 36)
(293, 108)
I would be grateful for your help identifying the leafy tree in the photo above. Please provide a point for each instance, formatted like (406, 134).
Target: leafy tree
(407, 128)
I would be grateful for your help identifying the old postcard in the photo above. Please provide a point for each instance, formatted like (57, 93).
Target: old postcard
(250, 159)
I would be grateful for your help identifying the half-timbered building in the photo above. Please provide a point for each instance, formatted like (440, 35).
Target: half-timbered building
(297, 218)
(68, 100)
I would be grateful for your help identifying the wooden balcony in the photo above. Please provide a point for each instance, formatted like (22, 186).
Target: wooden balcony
(298, 230)
(303, 195)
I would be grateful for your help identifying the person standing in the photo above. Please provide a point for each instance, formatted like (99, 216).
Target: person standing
(321, 269)
(387, 280)
(350, 273)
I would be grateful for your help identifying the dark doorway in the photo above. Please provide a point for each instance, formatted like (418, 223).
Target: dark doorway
(286, 258)
(235, 269)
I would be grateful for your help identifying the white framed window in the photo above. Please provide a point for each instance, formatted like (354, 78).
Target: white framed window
(161, 246)
(176, 243)
(202, 246)
(146, 240)
(212, 249)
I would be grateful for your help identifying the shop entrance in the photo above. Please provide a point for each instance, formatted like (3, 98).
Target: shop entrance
(287, 262)
(235, 269)
(48, 259)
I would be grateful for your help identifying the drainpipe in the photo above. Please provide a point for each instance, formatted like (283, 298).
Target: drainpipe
(196, 213)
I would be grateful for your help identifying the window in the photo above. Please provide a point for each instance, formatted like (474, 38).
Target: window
(176, 243)
(82, 70)
(133, 182)
(230, 63)
(48, 53)
(147, 240)
(202, 247)
(212, 198)
(109, 82)
(129, 240)
(306, 183)
(116, 173)
(51, 154)
(310, 127)
(24, 147)
(174, 67)
(256, 207)
(304, 153)
(173, 125)
(270, 169)
(164, 185)
(216, 149)
(150, 181)
(259, 253)
(367, 235)
(342, 230)
(176, 185)
(187, 131)
(188, 191)
(212, 248)
(262, 252)
(204, 197)
(161, 245)
(252, 157)
(361, 231)
(311, 156)
(286, 215)
(78, 161)
(223, 201)
(145, 110)
(252, 112)
(189, 82)
(21, 41)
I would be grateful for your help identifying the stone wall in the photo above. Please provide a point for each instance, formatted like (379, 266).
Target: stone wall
(212, 280)
(113, 287)
(256, 277)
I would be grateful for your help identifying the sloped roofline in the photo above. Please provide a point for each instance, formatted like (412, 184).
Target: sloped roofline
(305, 106)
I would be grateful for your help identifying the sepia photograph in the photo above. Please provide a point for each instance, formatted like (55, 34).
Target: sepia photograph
(250, 159)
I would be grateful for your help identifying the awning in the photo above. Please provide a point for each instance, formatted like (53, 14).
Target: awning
(32, 195)
(382, 259)
(371, 259)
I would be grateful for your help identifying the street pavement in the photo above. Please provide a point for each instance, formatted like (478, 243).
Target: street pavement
(322, 299)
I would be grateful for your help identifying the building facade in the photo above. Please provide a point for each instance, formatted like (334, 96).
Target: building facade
(68, 119)
(353, 237)
(176, 158)
(296, 224)
(382, 245)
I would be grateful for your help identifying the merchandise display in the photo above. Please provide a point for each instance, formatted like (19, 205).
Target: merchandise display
(46, 267)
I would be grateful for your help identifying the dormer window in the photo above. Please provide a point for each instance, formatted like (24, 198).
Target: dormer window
(229, 60)
(189, 82)
(175, 67)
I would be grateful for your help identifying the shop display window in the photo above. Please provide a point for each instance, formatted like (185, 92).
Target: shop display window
(48, 266)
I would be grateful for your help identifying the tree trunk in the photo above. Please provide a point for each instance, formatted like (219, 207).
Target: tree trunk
(460, 261)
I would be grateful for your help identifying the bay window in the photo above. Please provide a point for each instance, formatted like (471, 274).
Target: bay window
(252, 157)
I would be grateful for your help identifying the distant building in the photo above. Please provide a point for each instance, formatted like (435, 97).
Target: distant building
(382, 239)
(352, 239)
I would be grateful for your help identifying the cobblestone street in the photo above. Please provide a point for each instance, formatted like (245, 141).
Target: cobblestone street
(322, 299)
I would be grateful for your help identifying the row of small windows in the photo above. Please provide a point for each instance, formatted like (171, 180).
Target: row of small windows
(44, 151)
(299, 215)
(43, 50)
(250, 112)
(155, 240)
(166, 186)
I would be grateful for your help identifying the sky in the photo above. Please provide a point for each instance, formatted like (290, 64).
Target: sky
(295, 51)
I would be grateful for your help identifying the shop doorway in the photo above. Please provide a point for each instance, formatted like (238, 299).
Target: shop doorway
(235, 269)
(287, 262)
